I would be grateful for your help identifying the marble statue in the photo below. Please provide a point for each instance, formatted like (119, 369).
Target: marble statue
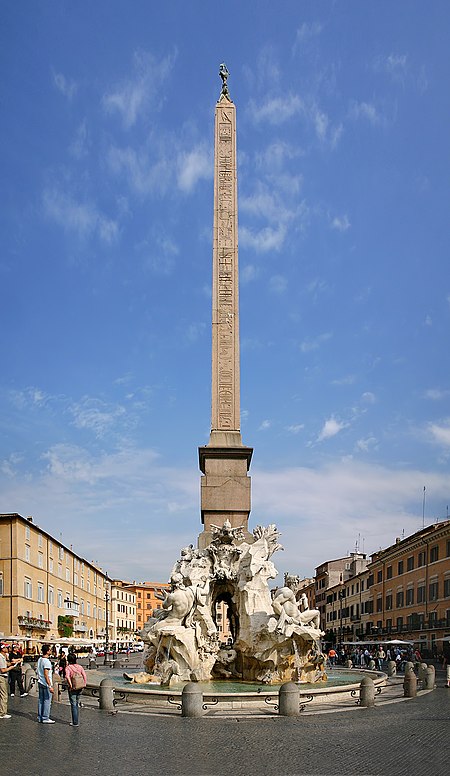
(274, 639)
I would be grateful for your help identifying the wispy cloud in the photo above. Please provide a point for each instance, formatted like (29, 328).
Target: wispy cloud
(366, 444)
(278, 284)
(314, 343)
(193, 166)
(295, 428)
(263, 240)
(341, 223)
(366, 111)
(132, 97)
(395, 65)
(95, 415)
(67, 87)
(307, 31)
(265, 425)
(440, 433)
(80, 144)
(330, 428)
(144, 173)
(276, 110)
(82, 218)
(436, 394)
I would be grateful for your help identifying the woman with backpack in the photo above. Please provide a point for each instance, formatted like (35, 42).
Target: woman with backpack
(76, 680)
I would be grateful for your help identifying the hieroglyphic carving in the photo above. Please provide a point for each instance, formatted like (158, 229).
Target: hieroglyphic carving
(226, 402)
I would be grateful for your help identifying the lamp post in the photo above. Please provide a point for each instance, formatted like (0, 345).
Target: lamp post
(341, 598)
(106, 661)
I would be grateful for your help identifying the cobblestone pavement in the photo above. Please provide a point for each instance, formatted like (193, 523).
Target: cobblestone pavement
(409, 738)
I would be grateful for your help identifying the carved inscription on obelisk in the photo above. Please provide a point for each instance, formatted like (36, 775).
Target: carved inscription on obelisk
(225, 350)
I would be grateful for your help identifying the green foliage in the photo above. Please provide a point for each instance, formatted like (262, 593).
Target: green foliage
(65, 625)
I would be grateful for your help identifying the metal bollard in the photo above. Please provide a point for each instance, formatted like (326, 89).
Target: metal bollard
(288, 700)
(57, 688)
(107, 695)
(192, 700)
(367, 692)
(391, 668)
(410, 684)
(430, 678)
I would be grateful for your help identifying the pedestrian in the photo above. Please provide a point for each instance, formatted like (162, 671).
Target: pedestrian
(62, 663)
(332, 654)
(15, 674)
(5, 667)
(76, 680)
(44, 671)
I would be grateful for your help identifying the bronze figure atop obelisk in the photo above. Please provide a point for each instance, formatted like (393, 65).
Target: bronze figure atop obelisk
(225, 484)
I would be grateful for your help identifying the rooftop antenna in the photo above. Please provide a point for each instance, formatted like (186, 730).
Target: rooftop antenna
(403, 533)
(423, 507)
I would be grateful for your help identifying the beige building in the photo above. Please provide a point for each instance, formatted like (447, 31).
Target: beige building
(46, 590)
(122, 614)
(330, 577)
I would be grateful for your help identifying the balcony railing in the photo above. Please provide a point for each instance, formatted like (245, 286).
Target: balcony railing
(33, 622)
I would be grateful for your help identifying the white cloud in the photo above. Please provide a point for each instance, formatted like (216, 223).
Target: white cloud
(395, 65)
(143, 175)
(193, 166)
(313, 344)
(437, 393)
(368, 397)
(367, 444)
(159, 254)
(296, 428)
(307, 31)
(330, 428)
(65, 86)
(263, 240)
(265, 425)
(341, 223)
(133, 96)
(96, 415)
(440, 433)
(365, 110)
(276, 110)
(80, 144)
(346, 380)
(248, 272)
(83, 218)
(278, 284)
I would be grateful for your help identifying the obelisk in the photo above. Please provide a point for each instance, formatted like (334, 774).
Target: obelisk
(225, 461)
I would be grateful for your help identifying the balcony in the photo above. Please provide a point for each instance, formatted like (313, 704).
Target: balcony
(33, 622)
(71, 608)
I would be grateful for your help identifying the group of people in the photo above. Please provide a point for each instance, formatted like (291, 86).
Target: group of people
(373, 656)
(11, 661)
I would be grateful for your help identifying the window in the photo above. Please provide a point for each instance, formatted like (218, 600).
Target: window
(1, 582)
(61, 553)
(60, 599)
(60, 570)
(446, 588)
(148, 595)
(40, 592)
(67, 575)
(410, 596)
(379, 604)
(389, 572)
(434, 554)
(40, 560)
(410, 563)
(27, 553)
(51, 595)
(388, 625)
(50, 548)
(389, 602)
(40, 540)
(50, 565)
(27, 532)
(448, 548)
(399, 598)
(149, 606)
(82, 607)
(82, 583)
(421, 558)
(399, 623)
(88, 608)
(370, 580)
(75, 579)
(432, 619)
(379, 576)
(421, 594)
(27, 588)
(434, 591)
(94, 614)
(362, 586)
(400, 567)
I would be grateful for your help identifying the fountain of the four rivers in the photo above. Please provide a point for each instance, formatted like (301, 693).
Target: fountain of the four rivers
(274, 639)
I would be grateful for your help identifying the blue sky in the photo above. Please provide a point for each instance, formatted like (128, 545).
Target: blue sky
(105, 268)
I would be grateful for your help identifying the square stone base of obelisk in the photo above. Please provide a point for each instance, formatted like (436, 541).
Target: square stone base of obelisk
(225, 489)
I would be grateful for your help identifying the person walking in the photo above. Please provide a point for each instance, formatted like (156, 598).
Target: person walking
(5, 667)
(76, 680)
(15, 674)
(44, 671)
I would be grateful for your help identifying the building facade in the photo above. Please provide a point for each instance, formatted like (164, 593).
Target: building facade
(122, 614)
(47, 591)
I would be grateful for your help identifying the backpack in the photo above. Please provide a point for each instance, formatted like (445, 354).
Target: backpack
(78, 681)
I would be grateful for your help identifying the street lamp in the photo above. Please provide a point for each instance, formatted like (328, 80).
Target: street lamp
(341, 597)
(106, 620)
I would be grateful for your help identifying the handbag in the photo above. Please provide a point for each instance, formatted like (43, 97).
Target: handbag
(78, 681)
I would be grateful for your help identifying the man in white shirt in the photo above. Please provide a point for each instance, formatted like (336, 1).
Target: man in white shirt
(5, 667)
(44, 671)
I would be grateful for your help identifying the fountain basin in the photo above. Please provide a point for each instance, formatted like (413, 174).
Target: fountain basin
(226, 695)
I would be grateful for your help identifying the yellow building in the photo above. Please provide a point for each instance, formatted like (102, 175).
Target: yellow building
(122, 614)
(46, 590)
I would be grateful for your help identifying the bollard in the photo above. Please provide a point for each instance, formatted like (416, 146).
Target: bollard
(349, 664)
(391, 668)
(117, 664)
(192, 700)
(430, 678)
(422, 672)
(30, 680)
(288, 700)
(57, 688)
(410, 684)
(448, 676)
(408, 666)
(107, 695)
(367, 692)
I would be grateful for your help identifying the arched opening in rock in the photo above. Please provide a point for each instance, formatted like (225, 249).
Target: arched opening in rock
(224, 591)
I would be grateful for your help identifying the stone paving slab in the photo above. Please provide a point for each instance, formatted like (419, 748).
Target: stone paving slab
(407, 738)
